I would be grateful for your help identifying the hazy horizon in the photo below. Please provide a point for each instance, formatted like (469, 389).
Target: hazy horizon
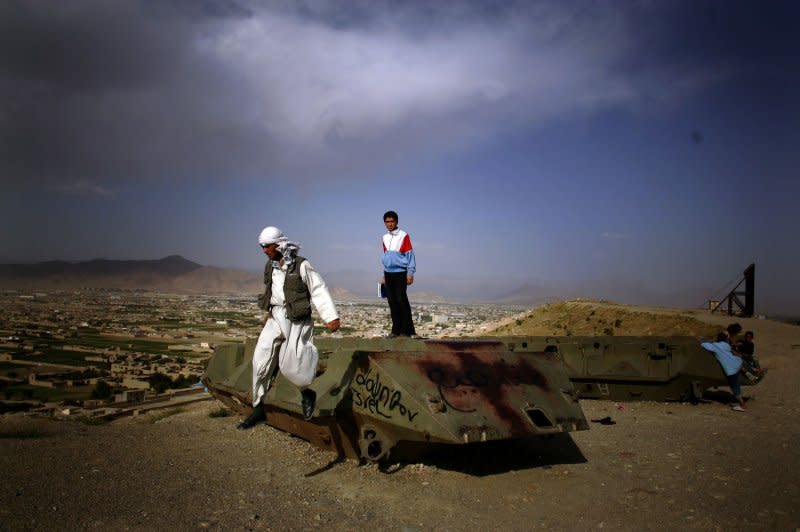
(517, 291)
(646, 145)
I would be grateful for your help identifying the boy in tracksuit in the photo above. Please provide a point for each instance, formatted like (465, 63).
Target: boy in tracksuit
(399, 266)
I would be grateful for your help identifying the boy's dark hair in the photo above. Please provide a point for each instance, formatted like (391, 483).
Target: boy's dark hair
(734, 329)
(390, 214)
(722, 337)
(750, 333)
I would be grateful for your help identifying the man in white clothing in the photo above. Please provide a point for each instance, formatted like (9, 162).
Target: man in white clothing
(291, 287)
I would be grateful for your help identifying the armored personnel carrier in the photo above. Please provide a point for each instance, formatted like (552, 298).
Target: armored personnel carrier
(376, 396)
(629, 368)
(381, 396)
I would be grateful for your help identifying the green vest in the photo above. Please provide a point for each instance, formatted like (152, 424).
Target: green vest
(296, 296)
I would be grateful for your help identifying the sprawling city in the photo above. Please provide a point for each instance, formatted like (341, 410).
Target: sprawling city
(105, 353)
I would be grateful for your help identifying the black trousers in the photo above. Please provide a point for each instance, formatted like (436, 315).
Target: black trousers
(399, 307)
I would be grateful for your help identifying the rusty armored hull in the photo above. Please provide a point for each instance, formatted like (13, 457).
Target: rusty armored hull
(629, 368)
(375, 396)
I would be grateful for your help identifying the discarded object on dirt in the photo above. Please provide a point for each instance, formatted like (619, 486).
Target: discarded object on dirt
(376, 396)
(631, 368)
(605, 421)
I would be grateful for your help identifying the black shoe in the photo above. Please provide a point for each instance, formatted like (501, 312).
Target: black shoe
(253, 419)
(309, 401)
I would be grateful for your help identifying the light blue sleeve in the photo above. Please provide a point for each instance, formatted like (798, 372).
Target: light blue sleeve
(412, 263)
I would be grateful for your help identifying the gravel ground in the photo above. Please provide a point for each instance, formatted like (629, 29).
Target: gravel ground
(661, 466)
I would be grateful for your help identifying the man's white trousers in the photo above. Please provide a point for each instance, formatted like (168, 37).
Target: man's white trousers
(289, 343)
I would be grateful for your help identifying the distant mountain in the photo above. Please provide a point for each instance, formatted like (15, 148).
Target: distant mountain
(179, 275)
(171, 266)
(360, 283)
(363, 286)
(170, 274)
(528, 295)
(340, 294)
(426, 297)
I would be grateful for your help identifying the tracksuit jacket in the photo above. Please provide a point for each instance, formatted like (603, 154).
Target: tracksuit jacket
(398, 255)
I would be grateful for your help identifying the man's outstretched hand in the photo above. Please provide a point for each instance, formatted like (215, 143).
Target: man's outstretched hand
(333, 326)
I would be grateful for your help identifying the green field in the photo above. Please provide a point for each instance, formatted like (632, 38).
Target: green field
(206, 327)
(167, 324)
(34, 340)
(213, 315)
(26, 391)
(59, 356)
(8, 366)
(131, 344)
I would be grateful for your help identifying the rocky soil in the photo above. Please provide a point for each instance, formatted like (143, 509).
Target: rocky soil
(590, 318)
(661, 466)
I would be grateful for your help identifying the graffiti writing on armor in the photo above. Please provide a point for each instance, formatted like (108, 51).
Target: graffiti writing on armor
(370, 393)
(449, 380)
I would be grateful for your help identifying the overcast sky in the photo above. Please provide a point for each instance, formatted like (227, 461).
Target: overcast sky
(652, 144)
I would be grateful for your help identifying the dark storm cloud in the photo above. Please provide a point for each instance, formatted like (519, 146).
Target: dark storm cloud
(75, 46)
(96, 90)
(728, 36)
(99, 90)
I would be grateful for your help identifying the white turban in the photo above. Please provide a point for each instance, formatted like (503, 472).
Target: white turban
(271, 235)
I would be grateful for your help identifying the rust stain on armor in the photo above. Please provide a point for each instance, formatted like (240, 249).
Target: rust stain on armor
(469, 379)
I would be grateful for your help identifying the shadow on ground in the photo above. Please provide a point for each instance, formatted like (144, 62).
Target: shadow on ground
(489, 458)
(724, 397)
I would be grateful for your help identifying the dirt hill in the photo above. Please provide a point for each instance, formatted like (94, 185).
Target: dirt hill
(588, 318)
(670, 466)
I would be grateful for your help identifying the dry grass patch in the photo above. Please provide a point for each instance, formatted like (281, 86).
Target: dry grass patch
(220, 412)
(161, 415)
(593, 318)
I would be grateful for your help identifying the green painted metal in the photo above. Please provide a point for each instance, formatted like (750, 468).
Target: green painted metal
(375, 394)
(386, 392)
(626, 368)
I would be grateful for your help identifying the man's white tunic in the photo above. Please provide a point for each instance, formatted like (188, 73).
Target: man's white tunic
(290, 343)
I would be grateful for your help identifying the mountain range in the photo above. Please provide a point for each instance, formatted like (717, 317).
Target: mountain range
(176, 274)
(173, 273)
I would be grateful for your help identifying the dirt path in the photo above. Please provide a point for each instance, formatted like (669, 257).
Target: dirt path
(661, 466)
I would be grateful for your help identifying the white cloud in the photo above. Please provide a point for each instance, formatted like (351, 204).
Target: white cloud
(270, 91)
(83, 188)
(616, 236)
(321, 92)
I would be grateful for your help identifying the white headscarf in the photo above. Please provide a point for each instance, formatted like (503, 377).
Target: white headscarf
(288, 250)
(273, 235)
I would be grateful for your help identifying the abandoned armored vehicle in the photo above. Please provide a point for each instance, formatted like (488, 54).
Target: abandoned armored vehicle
(378, 396)
(628, 368)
